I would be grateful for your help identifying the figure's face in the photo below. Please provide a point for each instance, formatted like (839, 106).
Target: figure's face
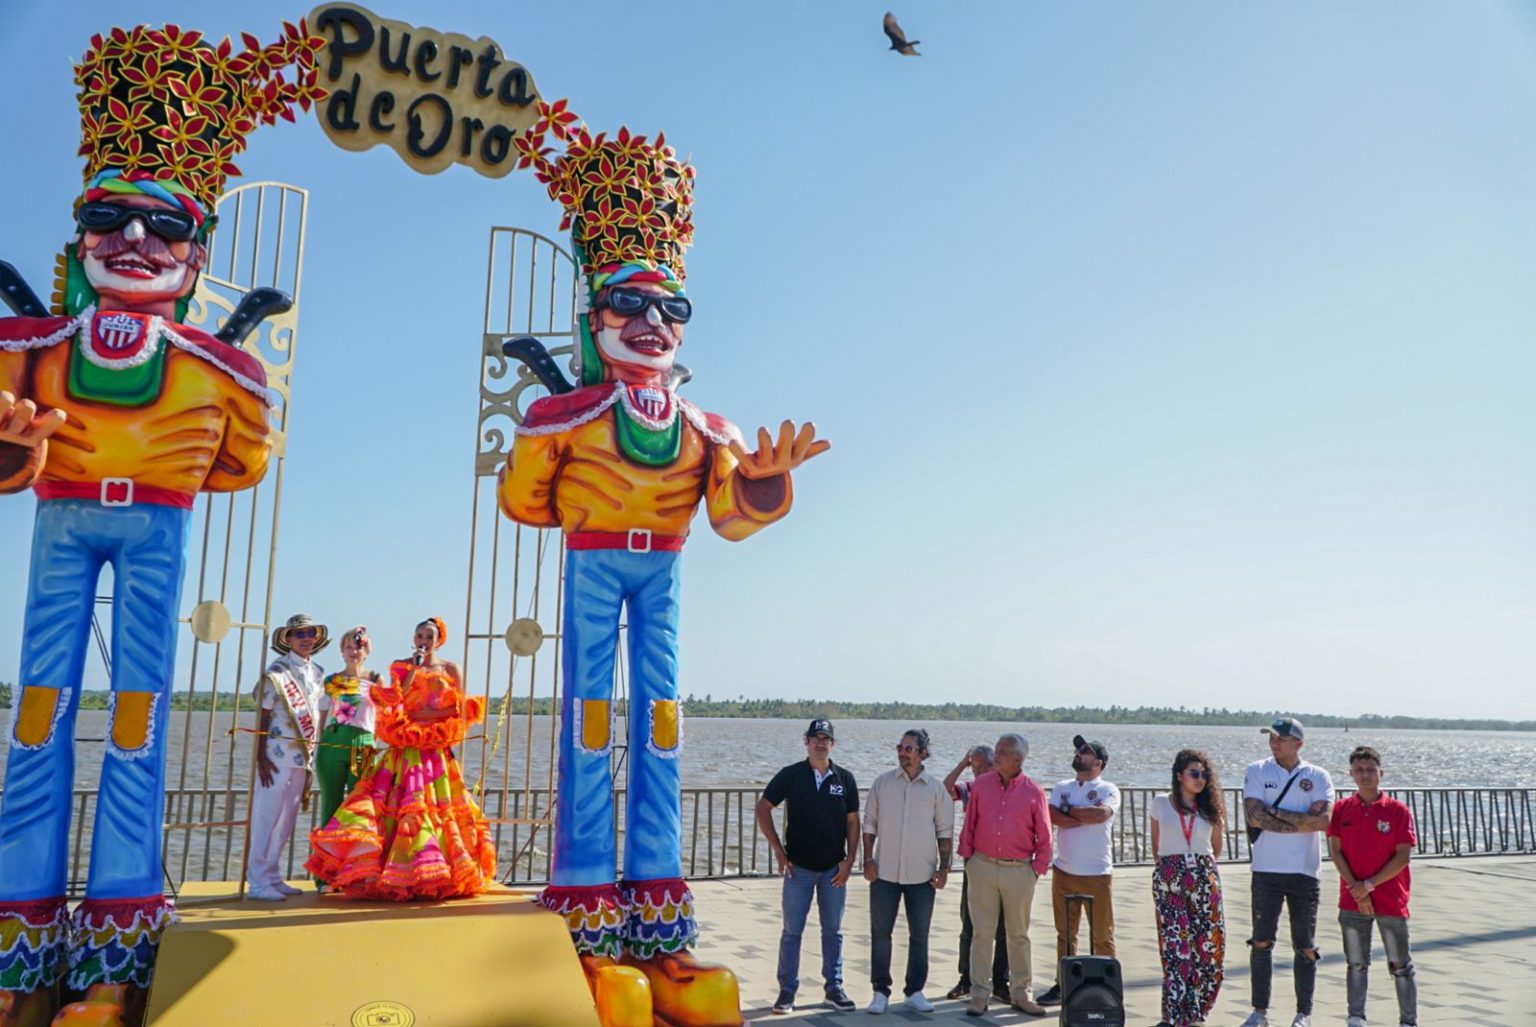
(1366, 774)
(908, 755)
(1282, 748)
(819, 745)
(641, 346)
(1193, 777)
(980, 764)
(131, 265)
(1085, 760)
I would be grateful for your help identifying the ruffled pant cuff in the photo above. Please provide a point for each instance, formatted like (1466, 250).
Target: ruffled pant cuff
(116, 940)
(34, 943)
(593, 914)
(659, 916)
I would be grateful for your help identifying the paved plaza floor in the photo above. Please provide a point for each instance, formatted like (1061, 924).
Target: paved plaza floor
(1474, 945)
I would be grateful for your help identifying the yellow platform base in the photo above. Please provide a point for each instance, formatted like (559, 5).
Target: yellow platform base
(326, 961)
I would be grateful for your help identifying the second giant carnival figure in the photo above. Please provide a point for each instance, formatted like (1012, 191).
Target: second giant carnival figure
(117, 415)
(621, 464)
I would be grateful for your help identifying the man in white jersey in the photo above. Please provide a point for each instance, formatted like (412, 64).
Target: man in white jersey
(1291, 801)
(1083, 812)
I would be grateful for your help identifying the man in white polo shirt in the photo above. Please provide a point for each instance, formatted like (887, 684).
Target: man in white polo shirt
(1083, 811)
(1291, 801)
(909, 827)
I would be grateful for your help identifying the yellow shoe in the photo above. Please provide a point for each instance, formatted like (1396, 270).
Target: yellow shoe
(27, 1008)
(688, 993)
(105, 1005)
(621, 993)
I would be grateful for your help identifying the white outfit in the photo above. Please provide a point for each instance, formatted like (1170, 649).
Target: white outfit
(1085, 850)
(275, 807)
(1295, 853)
(1170, 840)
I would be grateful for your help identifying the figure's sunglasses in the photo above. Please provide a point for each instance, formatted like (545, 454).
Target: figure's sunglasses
(631, 302)
(99, 216)
(1194, 772)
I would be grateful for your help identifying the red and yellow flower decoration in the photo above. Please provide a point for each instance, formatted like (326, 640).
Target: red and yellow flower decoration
(165, 105)
(626, 199)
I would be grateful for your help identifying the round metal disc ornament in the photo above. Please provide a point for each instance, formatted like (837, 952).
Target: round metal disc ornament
(524, 636)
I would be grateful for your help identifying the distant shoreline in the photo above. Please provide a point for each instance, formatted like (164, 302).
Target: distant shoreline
(804, 709)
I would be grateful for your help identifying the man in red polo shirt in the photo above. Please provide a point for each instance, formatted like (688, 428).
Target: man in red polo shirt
(1371, 839)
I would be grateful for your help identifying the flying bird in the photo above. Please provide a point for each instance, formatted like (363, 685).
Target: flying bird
(898, 38)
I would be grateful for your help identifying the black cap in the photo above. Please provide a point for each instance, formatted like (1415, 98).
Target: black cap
(1286, 727)
(1078, 742)
(820, 726)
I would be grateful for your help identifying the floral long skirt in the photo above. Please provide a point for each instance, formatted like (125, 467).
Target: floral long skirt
(409, 830)
(1191, 936)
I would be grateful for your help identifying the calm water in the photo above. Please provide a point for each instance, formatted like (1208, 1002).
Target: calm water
(739, 753)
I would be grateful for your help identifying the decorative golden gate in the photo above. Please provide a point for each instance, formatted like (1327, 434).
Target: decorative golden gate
(513, 600)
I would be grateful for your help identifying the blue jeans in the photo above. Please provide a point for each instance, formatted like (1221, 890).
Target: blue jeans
(798, 888)
(884, 897)
(71, 541)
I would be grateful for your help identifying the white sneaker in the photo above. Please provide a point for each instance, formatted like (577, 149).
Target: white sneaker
(917, 1001)
(1302, 1020)
(1356, 1021)
(286, 888)
(1256, 1019)
(878, 1003)
(265, 894)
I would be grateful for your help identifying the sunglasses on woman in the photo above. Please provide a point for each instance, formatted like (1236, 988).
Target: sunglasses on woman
(100, 216)
(1195, 772)
(632, 302)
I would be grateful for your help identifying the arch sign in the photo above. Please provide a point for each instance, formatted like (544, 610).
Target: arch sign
(435, 98)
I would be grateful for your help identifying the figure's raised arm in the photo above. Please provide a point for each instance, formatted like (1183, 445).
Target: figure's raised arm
(747, 491)
(24, 431)
(525, 486)
(246, 448)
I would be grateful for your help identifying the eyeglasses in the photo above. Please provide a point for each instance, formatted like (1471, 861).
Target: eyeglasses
(99, 216)
(632, 302)
(1195, 772)
(304, 632)
(906, 748)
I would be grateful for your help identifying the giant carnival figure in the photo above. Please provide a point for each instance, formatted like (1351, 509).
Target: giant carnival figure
(117, 415)
(621, 464)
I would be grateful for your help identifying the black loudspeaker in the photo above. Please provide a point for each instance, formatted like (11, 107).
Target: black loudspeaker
(1092, 994)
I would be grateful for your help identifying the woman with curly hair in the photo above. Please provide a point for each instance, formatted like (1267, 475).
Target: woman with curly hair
(410, 829)
(1187, 828)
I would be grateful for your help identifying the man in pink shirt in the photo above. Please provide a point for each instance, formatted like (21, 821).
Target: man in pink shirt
(1006, 842)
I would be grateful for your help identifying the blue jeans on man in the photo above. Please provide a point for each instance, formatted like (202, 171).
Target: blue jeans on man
(884, 897)
(799, 886)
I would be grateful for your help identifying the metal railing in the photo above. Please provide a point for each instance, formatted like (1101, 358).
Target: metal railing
(203, 833)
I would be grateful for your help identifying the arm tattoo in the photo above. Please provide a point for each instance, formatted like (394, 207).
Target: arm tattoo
(1258, 815)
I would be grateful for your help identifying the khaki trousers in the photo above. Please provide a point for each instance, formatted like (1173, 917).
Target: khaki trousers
(1103, 928)
(1006, 888)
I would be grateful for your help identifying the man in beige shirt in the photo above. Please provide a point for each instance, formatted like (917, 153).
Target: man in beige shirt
(909, 824)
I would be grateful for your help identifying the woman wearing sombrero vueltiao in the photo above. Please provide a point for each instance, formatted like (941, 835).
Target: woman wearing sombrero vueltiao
(293, 704)
(410, 829)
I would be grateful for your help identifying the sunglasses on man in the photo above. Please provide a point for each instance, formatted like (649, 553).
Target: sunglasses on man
(167, 223)
(632, 302)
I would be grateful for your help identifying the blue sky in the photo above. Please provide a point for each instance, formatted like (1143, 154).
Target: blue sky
(1174, 354)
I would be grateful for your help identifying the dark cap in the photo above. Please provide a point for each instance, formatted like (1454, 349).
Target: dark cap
(820, 726)
(1078, 742)
(1285, 727)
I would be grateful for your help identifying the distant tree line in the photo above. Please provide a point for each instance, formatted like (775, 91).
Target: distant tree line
(805, 709)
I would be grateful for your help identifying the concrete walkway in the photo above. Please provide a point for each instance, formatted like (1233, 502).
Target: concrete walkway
(1474, 944)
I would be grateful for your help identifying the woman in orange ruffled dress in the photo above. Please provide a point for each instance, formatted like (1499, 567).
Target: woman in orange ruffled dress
(410, 829)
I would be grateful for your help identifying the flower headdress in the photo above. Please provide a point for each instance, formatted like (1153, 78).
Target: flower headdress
(628, 204)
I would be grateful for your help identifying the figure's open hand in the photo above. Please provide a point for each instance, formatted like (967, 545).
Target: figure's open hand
(790, 451)
(22, 425)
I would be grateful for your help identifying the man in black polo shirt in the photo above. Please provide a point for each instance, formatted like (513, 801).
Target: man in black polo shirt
(821, 832)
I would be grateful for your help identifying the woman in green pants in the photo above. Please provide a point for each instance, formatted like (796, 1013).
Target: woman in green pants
(346, 744)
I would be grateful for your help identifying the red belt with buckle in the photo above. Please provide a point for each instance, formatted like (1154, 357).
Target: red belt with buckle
(635, 540)
(113, 492)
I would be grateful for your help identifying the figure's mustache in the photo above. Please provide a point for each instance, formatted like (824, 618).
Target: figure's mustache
(151, 249)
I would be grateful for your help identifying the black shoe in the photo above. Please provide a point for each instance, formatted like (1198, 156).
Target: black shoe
(785, 1003)
(838, 999)
(1051, 997)
(961, 990)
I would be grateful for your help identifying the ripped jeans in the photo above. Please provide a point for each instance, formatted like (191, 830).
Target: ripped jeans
(1357, 949)
(1298, 894)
